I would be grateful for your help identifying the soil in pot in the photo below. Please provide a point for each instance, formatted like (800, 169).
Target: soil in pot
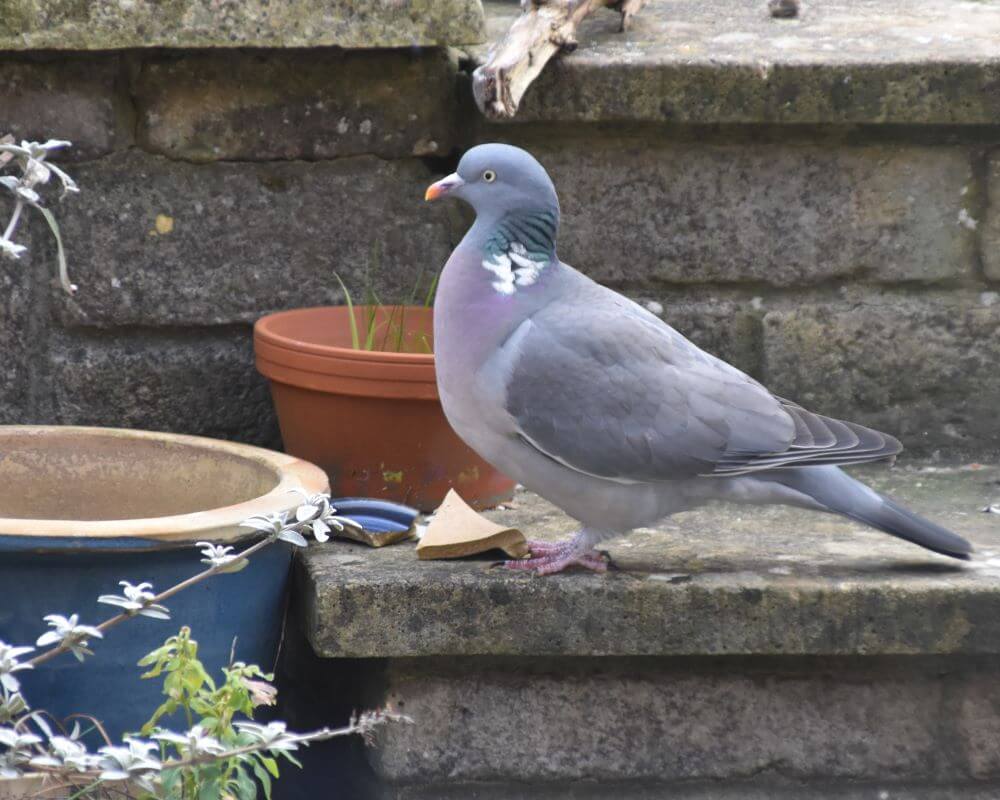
(371, 418)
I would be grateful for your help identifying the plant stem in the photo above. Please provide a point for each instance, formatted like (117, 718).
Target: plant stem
(18, 207)
(363, 725)
(48, 655)
(353, 727)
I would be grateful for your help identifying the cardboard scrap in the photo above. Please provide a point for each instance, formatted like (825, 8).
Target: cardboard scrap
(456, 530)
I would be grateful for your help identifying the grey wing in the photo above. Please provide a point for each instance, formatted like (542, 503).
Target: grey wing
(618, 394)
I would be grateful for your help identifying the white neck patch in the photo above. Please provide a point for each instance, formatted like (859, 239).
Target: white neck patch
(513, 268)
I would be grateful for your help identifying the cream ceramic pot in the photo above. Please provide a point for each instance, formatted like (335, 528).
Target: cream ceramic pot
(84, 508)
(78, 482)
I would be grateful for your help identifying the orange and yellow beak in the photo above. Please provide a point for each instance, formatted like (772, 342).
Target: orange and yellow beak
(443, 187)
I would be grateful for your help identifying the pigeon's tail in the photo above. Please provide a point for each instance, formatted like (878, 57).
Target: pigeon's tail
(838, 492)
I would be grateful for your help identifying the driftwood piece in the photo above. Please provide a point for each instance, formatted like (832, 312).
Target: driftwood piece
(545, 28)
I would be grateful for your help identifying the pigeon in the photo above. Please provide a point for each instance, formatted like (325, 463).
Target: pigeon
(599, 406)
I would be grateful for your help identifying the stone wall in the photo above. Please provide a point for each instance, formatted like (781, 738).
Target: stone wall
(833, 229)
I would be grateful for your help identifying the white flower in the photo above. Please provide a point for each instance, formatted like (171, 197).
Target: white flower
(68, 184)
(276, 525)
(42, 150)
(29, 157)
(35, 172)
(28, 195)
(18, 744)
(193, 742)
(16, 739)
(136, 600)
(27, 151)
(69, 633)
(292, 536)
(271, 524)
(119, 763)
(315, 516)
(66, 752)
(7, 768)
(11, 249)
(217, 555)
(22, 151)
(273, 736)
(12, 705)
(318, 516)
(10, 663)
(36, 149)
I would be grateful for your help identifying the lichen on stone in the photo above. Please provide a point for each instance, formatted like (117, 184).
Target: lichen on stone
(119, 24)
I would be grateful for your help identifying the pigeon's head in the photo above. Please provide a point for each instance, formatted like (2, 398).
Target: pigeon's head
(496, 179)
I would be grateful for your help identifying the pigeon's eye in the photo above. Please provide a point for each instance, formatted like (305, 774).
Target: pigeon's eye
(489, 176)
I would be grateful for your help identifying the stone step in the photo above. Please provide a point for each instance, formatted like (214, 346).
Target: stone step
(739, 790)
(734, 580)
(567, 720)
(841, 62)
(115, 25)
(736, 652)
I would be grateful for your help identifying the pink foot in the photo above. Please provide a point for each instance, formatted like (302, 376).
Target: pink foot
(551, 557)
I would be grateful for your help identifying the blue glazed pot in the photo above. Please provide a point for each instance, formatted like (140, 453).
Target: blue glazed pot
(62, 576)
(83, 508)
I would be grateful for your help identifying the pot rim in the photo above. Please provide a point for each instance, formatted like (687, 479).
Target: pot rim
(264, 330)
(216, 524)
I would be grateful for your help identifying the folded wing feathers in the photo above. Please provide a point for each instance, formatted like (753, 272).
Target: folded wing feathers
(818, 440)
(804, 437)
(820, 434)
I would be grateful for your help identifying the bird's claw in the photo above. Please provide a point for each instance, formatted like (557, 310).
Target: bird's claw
(551, 557)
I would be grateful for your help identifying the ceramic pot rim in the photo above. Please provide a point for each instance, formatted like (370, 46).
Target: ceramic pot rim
(264, 330)
(217, 524)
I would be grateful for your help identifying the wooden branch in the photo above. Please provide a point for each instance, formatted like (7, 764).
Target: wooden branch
(545, 28)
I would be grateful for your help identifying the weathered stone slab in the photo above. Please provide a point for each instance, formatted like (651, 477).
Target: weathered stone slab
(559, 721)
(311, 105)
(978, 725)
(73, 98)
(197, 382)
(687, 213)
(718, 581)
(114, 25)
(922, 368)
(161, 242)
(690, 61)
(991, 229)
(758, 789)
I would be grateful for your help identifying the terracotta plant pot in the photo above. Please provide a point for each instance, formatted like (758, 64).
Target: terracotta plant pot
(370, 418)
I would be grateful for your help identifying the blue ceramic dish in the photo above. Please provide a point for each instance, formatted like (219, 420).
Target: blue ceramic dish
(378, 516)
